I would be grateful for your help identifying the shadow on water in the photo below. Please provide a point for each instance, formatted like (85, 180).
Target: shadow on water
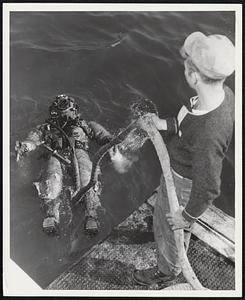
(104, 60)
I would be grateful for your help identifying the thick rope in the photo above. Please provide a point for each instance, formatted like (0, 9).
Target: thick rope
(163, 156)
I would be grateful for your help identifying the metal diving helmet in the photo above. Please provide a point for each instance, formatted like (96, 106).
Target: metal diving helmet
(63, 106)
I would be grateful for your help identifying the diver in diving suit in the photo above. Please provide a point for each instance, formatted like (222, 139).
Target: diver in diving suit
(67, 135)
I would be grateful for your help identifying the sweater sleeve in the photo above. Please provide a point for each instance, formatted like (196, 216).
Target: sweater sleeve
(172, 125)
(206, 179)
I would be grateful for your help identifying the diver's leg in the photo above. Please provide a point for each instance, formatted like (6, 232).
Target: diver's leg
(92, 200)
(92, 203)
(49, 188)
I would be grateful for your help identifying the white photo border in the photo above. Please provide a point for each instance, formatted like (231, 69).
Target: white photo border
(15, 281)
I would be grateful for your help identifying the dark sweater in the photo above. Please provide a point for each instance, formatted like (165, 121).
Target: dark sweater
(197, 151)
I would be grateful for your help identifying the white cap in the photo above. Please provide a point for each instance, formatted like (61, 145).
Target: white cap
(214, 55)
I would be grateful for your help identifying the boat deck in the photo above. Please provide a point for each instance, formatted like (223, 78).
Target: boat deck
(109, 265)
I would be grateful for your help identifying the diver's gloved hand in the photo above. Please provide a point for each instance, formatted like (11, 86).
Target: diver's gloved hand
(21, 149)
(120, 161)
(113, 151)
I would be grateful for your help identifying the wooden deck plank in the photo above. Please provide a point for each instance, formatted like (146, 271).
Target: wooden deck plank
(220, 221)
(217, 242)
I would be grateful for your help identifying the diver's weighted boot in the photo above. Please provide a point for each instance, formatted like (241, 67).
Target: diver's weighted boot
(50, 226)
(91, 226)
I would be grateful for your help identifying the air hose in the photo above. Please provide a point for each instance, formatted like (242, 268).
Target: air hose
(74, 158)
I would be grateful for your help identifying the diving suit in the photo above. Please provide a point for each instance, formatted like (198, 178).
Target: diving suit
(66, 135)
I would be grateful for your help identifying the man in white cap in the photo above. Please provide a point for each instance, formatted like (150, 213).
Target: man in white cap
(198, 139)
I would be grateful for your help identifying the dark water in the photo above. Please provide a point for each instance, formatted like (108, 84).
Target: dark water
(105, 60)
